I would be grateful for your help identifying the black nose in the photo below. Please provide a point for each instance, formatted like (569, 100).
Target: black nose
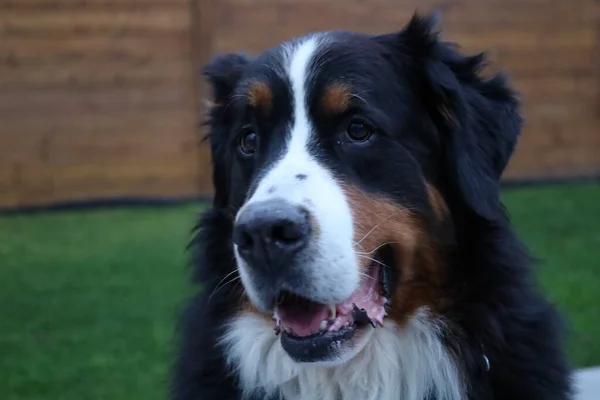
(269, 232)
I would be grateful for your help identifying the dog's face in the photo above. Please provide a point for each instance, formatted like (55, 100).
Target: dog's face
(344, 159)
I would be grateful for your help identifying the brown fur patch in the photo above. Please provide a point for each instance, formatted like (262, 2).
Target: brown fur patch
(248, 307)
(379, 221)
(259, 95)
(437, 202)
(336, 99)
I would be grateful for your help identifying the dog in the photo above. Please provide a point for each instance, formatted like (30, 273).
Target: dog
(357, 247)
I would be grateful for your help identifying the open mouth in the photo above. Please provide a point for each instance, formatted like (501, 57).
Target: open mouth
(309, 329)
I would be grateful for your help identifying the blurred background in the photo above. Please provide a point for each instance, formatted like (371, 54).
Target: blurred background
(102, 172)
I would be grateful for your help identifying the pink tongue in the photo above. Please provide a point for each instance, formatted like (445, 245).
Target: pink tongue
(302, 317)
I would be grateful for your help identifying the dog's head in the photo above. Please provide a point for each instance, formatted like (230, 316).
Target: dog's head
(344, 160)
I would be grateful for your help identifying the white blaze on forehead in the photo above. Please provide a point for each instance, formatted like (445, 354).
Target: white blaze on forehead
(298, 70)
(330, 263)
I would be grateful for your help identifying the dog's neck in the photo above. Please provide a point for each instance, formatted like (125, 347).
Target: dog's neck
(410, 363)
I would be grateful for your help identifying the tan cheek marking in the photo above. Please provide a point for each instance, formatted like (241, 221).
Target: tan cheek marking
(260, 96)
(248, 307)
(379, 221)
(336, 99)
(244, 305)
(437, 202)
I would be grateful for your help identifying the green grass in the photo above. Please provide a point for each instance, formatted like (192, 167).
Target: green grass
(561, 225)
(88, 299)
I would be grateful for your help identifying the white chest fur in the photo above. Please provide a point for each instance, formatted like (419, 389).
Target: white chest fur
(396, 364)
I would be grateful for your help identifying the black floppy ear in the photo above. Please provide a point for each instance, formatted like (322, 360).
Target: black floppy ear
(479, 118)
(223, 74)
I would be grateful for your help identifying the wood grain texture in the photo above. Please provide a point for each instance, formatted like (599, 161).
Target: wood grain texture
(38, 5)
(42, 50)
(150, 21)
(97, 101)
(99, 73)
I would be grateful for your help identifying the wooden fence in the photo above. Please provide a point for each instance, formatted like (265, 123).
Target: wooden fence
(100, 98)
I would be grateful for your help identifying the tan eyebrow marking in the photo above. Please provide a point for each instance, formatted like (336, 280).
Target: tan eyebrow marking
(259, 95)
(336, 98)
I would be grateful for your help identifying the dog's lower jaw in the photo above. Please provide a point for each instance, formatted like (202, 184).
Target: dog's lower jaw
(393, 363)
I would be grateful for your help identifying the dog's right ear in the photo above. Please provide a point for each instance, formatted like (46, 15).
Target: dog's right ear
(223, 74)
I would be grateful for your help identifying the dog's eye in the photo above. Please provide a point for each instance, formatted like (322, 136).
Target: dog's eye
(249, 142)
(359, 131)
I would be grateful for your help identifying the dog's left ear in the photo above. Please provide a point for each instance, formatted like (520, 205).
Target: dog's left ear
(222, 73)
(478, 118)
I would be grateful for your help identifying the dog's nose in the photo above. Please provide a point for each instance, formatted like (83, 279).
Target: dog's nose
(269, 232)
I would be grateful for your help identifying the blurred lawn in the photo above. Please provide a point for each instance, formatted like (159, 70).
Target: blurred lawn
(88, 299)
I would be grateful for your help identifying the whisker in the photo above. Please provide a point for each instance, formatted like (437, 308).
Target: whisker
(228, 104)
(366, 275)
(376, 226)
(376, 248)
(376, 261)
(219, 286)
(234, 279)
(358, 95)
(226, 276)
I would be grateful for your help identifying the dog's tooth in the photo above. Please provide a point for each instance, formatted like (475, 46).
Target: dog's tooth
(332, 311)
(323, 325)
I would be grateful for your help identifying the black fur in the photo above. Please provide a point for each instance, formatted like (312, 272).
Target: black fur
(463, 131)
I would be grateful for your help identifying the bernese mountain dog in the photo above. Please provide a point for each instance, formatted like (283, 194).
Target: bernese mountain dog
(357, 247)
